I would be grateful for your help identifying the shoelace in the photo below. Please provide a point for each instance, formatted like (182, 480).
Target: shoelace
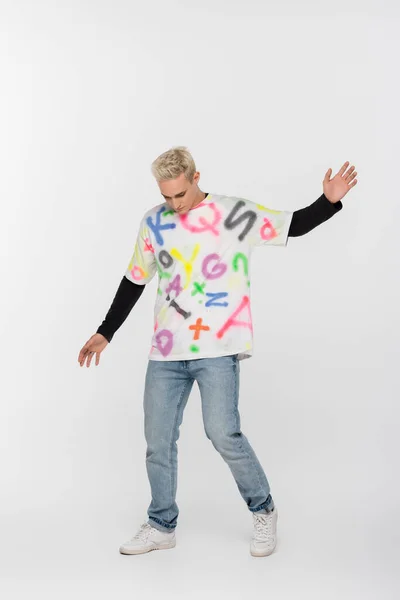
(143, 532)
(262, 526)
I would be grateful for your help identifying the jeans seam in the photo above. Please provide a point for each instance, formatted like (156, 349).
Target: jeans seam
(187, 383)
(239, 428)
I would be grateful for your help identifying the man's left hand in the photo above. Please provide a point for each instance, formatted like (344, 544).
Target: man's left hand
(337, 187)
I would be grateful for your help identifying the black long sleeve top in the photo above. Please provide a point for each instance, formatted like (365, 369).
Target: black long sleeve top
(128, 293)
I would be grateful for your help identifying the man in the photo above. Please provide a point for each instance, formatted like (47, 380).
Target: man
(200, 245)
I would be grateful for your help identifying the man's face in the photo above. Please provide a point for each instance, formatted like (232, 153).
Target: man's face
(179, 193)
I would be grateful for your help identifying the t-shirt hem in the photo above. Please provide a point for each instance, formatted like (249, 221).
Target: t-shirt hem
(247, 353)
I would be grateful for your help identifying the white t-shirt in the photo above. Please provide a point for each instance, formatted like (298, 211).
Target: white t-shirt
(202, 306)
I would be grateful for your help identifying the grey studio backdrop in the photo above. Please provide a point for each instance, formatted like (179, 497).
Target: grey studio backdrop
(267, 96)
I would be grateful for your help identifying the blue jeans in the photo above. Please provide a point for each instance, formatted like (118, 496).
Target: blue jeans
(167, 388)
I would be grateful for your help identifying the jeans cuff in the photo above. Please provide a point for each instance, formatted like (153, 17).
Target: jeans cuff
(267, 507)
(160, 527)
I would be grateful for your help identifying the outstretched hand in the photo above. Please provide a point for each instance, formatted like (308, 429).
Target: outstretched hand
(337, 187)
(94, 346)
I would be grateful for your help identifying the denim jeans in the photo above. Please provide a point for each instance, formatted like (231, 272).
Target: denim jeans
(167, 388)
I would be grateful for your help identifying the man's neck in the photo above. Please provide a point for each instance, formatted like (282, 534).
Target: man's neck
(201, 197)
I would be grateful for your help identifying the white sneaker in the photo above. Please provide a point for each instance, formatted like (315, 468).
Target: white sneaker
(148, 538)
(264, 537)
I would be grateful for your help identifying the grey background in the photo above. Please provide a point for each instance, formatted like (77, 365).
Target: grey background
(267, 96)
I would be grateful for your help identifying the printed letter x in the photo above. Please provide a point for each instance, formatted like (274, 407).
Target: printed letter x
(198, 288)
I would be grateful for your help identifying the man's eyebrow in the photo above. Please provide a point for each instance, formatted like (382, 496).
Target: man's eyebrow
(176, 195)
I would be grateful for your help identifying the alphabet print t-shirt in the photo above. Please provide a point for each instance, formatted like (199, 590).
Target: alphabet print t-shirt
(202, 258)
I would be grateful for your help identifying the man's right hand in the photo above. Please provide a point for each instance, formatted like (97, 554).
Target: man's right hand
(95, 345)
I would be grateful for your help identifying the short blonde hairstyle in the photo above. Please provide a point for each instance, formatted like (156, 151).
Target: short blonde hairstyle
(172, 163)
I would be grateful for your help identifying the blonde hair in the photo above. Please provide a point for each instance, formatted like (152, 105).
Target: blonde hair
(172, 163)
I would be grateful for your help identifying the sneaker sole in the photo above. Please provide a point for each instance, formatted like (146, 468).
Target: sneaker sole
(146, 550)
(262, 553)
